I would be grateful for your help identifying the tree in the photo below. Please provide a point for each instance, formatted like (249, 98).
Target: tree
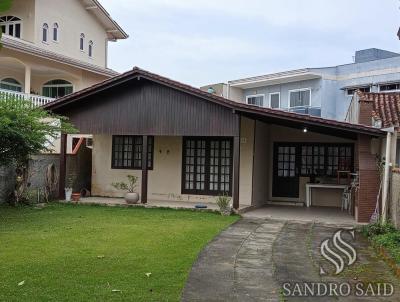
(26, 130)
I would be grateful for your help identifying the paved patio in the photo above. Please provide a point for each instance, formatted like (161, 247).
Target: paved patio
(325, 215)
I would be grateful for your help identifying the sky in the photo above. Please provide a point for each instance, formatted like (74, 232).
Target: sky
(200, 42)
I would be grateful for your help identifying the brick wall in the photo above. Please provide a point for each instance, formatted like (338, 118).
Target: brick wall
(365, 116)
(369, 179)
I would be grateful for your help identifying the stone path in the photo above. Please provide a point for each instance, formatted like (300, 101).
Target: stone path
(251, 260)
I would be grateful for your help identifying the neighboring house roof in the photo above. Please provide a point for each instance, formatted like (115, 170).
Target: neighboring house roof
(293, 118)
(275, 78)
(114, 31)
(386, 107)
(30, 48)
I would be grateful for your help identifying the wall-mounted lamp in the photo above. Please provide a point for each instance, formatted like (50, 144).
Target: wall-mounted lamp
(305, 130)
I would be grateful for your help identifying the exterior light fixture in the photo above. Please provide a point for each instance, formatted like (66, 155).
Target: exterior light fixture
(305, 130)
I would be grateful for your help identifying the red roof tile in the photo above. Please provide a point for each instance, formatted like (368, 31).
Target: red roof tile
(386, 107)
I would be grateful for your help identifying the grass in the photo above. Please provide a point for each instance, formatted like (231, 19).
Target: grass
(386, 236)
(83, 253)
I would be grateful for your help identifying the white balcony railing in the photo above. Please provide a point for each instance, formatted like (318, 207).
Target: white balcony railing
(37, 100)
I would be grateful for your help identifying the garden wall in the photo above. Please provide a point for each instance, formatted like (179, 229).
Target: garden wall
(394, 208)
(7, 175)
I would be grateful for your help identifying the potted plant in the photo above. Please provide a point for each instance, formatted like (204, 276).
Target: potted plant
(131, 196)
(68, 189)
(224, 204)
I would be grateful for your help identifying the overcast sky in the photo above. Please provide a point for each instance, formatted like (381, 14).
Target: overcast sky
(209, 41)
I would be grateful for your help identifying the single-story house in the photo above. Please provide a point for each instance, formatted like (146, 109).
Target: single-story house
(191, 145)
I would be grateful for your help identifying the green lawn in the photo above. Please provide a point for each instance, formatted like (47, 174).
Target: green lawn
(83, 253)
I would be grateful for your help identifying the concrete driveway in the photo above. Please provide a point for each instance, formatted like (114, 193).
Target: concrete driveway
(254, 258)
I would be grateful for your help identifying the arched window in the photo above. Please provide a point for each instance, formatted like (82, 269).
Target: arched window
(82, 42)
(90, 48)
(11, 26)
(57, 88)
(10, 84)
(45, 32)
(55, 32)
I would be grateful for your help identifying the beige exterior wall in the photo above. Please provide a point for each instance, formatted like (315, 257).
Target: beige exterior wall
(164, 182)
(70, 29)
(43, 71)
(35, 13)
(246, 161)
(25, 10)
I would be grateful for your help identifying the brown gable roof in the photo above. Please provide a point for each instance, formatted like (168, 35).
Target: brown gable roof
(386, 107)
(240, 107)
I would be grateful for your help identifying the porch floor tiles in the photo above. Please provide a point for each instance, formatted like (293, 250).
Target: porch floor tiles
(112, 201)
(326, 215)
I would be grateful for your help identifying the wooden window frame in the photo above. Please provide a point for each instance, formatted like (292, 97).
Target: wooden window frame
(150, 155)
(326, 156)
(207, 190)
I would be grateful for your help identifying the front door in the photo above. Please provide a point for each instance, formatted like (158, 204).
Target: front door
(285, 175)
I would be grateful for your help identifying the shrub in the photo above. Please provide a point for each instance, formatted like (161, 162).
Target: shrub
(377, 228)
(223, 202)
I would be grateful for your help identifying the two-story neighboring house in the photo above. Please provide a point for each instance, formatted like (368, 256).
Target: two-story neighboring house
(54, 47)
(325, 92)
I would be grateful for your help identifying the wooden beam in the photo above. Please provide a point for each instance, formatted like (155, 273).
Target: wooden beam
(236, 167)
(144, 169)
(63, 167)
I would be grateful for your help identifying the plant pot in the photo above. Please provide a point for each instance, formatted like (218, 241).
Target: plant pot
(226, 211)
(132, 198)
(68, 193)
(76, 196)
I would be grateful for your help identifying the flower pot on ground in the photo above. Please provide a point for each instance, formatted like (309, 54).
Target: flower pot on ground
(224, 204)
(131, 197)
(68, 194)
(76, 196)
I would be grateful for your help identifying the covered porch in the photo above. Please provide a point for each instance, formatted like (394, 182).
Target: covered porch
(188, 146)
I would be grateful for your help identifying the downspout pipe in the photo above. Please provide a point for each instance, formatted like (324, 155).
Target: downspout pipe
(386, 173)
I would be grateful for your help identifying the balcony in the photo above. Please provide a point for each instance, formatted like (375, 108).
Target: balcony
(37, 100)
(314, 111)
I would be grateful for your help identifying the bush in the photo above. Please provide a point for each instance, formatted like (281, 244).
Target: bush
(377, 228)
(386, 236)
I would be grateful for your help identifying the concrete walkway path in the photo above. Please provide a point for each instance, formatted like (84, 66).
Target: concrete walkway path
(252, 259)
(237, 265)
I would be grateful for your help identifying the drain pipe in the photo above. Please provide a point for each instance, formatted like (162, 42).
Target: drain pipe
(386, 173)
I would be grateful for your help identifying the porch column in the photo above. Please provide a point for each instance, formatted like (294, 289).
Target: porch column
(236, 167)
(63, 167)
(28, 72)
(144, 169)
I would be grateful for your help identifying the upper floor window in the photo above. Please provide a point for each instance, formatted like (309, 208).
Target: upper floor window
(45, 32)
(389, 87)
(351, 91)
(55, 32)
(11, 26)
(257, 100)
(90, 49)
(82, 42)
(57, 88)
(10, 84)
(300, 98)
(275, 100)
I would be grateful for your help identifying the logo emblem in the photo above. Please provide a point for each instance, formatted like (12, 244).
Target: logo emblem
(338, 252)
